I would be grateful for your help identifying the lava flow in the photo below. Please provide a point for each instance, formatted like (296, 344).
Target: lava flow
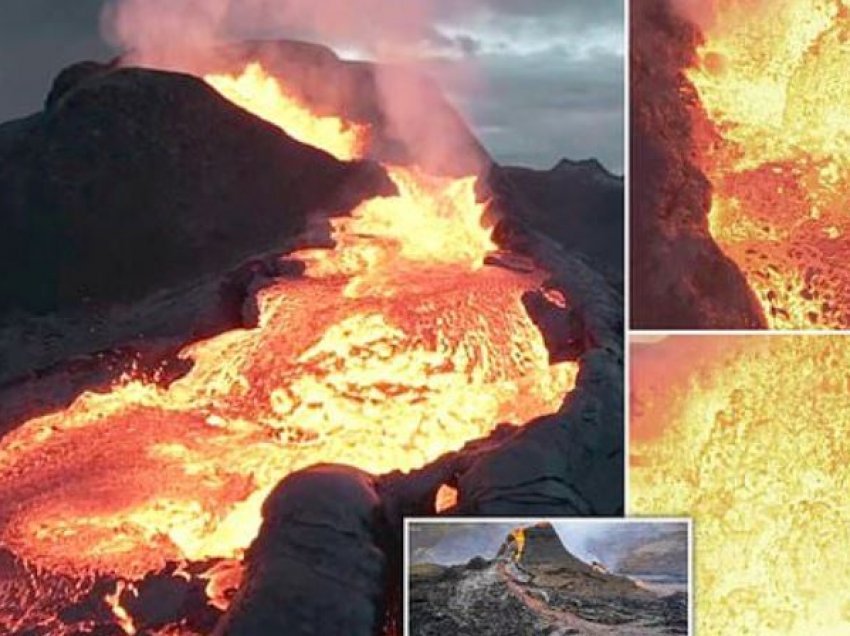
(519, 537)
(772, 79)
(396, 346)
(750, 436)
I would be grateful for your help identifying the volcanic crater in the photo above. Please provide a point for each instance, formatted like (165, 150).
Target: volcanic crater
(237, 284)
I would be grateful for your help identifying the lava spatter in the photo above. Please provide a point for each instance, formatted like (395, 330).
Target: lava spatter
(771, 76)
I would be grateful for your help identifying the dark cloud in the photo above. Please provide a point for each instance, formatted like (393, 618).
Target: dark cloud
(535, 109)
(549, 82)
(37, 39)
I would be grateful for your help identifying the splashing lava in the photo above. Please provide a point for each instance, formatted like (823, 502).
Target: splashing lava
(772, 77)
(395, 347)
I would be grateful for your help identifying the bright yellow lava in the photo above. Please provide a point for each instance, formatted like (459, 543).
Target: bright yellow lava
(395, 347)
(772, 77)
(264, 96)
(756, 447)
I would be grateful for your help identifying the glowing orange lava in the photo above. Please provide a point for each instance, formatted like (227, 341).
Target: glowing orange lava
(263, 95)
(519, 536)
(772, 77)
(397, 346)
(750, 436)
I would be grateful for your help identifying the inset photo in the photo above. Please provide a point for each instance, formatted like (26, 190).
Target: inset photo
(750, 437)
(504, 577)
(740, 159)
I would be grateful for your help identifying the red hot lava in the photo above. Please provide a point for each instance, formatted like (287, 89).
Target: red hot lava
(396, 346)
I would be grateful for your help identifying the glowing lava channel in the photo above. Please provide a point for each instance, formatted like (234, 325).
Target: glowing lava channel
(261, 94)
(772, 78)
(750, 436)
(396, 347)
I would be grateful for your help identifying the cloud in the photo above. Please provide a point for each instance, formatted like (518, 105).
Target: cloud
(551, 81)
(37, 39)
(549, 72)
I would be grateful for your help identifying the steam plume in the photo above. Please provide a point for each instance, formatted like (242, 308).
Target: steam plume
(182, 35)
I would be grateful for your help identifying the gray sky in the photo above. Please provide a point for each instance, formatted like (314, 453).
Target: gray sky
(548, 81)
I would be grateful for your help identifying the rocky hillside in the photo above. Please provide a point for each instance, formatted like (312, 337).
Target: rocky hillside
(680, 279)
(580, 205)
(133, 180)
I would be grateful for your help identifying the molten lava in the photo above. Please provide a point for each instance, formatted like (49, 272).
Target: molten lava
(519, 536)
(395, 347)
(446, 498)
(772, 78)
(751, 437)
(261, 94)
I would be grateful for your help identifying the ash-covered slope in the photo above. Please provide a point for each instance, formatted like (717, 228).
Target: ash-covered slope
(679, 276)
(535, 585)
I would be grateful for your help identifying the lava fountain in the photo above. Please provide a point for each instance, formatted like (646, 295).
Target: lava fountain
(394, 347)
(772, 78)
(749, 436)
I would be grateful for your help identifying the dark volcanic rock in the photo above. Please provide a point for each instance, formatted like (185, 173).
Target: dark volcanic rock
(569, 463)
(135, 180)
(679, 276)
(550, 564)
(315, 567)
(485, 607)
(577, 203)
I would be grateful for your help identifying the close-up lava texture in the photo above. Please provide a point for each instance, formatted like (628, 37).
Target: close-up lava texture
(750, 436)
(741, 164)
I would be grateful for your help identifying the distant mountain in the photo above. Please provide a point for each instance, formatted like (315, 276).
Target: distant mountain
(579, 204)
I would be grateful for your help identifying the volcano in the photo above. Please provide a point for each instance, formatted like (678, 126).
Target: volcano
(739, 148)
(536, 585)
(253, 325)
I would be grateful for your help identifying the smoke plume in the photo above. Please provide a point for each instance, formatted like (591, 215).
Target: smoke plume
(183, 35)
(166, 32)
